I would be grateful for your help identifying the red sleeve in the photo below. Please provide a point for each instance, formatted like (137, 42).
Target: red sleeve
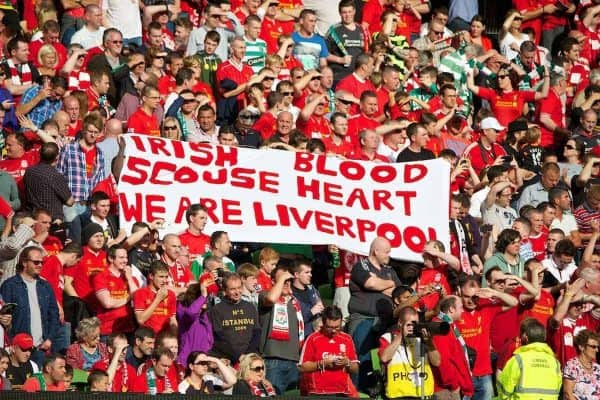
(31, 385)
(383, 344)
(450, 376)
(139, 384)
(72, 271)
(547, 105)
(172, 303)
(135, 125)
(350, 349)
(99, 282)
(527, 95)
(139, 299)
(487, 93)
(308, 352)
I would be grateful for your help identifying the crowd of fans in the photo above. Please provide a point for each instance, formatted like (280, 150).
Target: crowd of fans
(511, 308)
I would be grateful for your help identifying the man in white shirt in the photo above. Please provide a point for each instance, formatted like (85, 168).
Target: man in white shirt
(90, 35)
(495, 174)
(564, 219)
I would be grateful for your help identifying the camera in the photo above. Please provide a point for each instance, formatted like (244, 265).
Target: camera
(433, 328)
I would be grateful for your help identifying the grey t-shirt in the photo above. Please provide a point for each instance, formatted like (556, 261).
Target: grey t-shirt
(35, 312)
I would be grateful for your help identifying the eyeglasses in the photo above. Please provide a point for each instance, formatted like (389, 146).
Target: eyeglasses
(260, 368)
(203, 363)
(116, 41)
(170, 128)
(593, 346)
(502, 76)
(36, 262)
(287, 93)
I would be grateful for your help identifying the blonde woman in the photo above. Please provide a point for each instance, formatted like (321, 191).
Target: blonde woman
(170, 128)
(252, 377)
(48, 60)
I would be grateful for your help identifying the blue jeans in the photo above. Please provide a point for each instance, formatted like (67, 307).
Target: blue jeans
(73, 211)
(361, 330)
(483, 388)
(62, 339)
(282, 374)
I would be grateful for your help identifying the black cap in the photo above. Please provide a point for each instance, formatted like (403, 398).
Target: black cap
(90, 230)
(517, 125)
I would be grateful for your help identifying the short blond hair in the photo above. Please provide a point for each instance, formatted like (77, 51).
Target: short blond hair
(247, 270)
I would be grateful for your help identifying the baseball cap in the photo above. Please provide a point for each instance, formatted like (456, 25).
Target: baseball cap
(491, 123)
(23, 340)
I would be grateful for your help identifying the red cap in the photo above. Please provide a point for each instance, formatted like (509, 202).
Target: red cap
(595, 151)
(23, 340)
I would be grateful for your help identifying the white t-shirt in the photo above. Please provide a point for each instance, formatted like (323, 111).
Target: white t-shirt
(567, 225)
(87, 38)
(477, 200)
(125, 16)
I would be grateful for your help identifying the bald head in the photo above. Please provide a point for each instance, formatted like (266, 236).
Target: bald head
(113, 127)
(62, 119)
(379, 253)
(71, 106)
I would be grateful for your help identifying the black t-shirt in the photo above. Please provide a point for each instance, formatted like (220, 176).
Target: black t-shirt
(18, 375)
(407, 155)
(365, 301)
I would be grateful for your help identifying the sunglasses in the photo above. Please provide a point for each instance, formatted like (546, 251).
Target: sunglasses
(593, 346)
(345, 102)
(203, 363)
(569, 147)
(189, 101)
(170, 128)
(36, 262)
(502, 76)
(316, 78)
(438, 33)
(287, 93)
(258, 369)
(268, 78)
(116, 41)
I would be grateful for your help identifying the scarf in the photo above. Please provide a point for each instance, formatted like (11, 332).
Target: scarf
(79, 80)
(449, 320)
(281, 326)
(262, 390)
(151, 379)
(24, 78)
(465, 264)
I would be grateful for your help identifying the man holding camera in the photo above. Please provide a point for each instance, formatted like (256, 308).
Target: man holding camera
(407, 353)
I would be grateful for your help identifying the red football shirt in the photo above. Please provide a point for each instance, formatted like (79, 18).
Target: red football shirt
(52, 272)
(328, 381)
(553, 106)
(265, 125)
(475, 327)
(159, 320)
(142, 123)
(197, 245)
(317, 127)
(83, 272)
(118, 319)
(506, 106)
(263, 281)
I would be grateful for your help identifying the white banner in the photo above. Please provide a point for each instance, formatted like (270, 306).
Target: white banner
(276, 196)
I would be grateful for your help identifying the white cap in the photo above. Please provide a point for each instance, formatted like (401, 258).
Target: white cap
(491, 123)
